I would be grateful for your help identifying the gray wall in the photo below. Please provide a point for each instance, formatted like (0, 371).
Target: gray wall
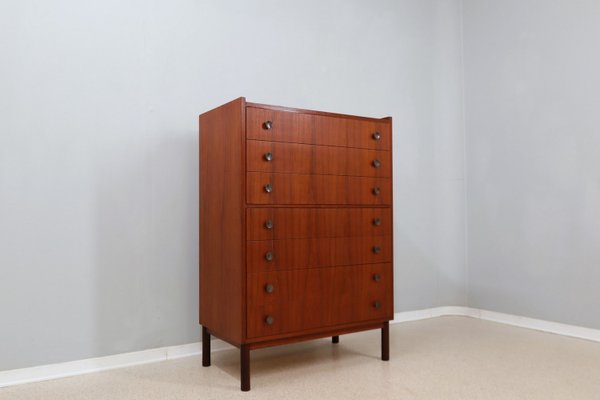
(98, 150)
(532, 98)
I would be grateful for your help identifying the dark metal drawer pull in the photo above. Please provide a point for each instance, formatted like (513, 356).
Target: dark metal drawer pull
(376, 136)
(376, 163)
(269, 224)
(269, 288)
(376, 277)
(377, 305)
(376, 190)
(267, 125)
(269, 256)
(269, 320)
(269, 156)
(268, 188)
(376, 249)
(377, 222)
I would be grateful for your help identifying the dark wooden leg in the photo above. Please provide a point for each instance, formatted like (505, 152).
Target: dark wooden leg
(245, 367)
(385, 341)
(205, 347)
(335, 339)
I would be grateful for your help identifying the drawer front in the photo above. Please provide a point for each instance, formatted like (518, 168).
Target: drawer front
(265, 188)
(296, 223)
(293, 158)
(290, 301)
(296, 127)
(285, 254)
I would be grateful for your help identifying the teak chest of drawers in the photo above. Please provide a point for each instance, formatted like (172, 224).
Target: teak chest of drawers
(295, 227)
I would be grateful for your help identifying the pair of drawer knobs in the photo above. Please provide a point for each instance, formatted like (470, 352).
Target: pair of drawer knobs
(267, 125)
(269, 189)
(270, 257)
(269, 157)
(269, 320)
(269, 223)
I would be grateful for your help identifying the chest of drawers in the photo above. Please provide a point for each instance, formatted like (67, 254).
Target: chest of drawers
(295, 227)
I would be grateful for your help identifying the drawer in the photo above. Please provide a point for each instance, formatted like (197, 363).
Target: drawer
(294, 158)
(289, 301)
(266, 188)
(296, 127)
(293, 223)
(285, 254)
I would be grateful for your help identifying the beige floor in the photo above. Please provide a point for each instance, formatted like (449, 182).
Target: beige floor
(441, 358)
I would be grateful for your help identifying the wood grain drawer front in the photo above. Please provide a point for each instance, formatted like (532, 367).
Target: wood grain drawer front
(293, 158)
(289, 301)
(295, 223)
(265, 188)
(284, 254)
(295, 127)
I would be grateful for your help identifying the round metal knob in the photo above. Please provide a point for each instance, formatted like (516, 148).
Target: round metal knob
(269, 224)
(377, 305)
(376, 277)
(269, 320)
(376, 136)
(268, 188)
(268, 156)
(376, 163)
(377, 222)
(269, 288)
(376, 190)
(267, 125)
(269, 256)
(376, 249)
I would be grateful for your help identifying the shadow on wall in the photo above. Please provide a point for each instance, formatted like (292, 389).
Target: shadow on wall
(146, 255)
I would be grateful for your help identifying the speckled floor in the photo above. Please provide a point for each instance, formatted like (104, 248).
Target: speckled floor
(440, 358)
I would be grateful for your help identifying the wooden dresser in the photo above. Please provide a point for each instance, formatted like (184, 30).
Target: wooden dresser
(295, 227)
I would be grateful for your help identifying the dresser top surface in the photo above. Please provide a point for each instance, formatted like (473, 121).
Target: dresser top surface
(314, 112)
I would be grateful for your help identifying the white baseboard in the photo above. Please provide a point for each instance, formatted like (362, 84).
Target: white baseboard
(79, 367)
(508, 319)
(416, 315)
(539, 325)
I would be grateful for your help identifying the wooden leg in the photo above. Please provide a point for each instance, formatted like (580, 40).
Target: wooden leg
(335, 339)
(385, 341)
(245, 367)
(205, 347)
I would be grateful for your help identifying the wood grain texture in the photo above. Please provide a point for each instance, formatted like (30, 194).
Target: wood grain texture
(309, 334)
(297, 301)
(295, 223)
(330, 270)
(222, 218)
(319, 129)
(294, 158)
(317, 189)
(317, 252)
(314, 112)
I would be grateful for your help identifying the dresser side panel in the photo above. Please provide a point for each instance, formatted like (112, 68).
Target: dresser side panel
(389, 120)
(222, 221)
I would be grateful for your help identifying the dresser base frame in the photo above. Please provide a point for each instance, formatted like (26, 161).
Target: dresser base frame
(334, 334)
